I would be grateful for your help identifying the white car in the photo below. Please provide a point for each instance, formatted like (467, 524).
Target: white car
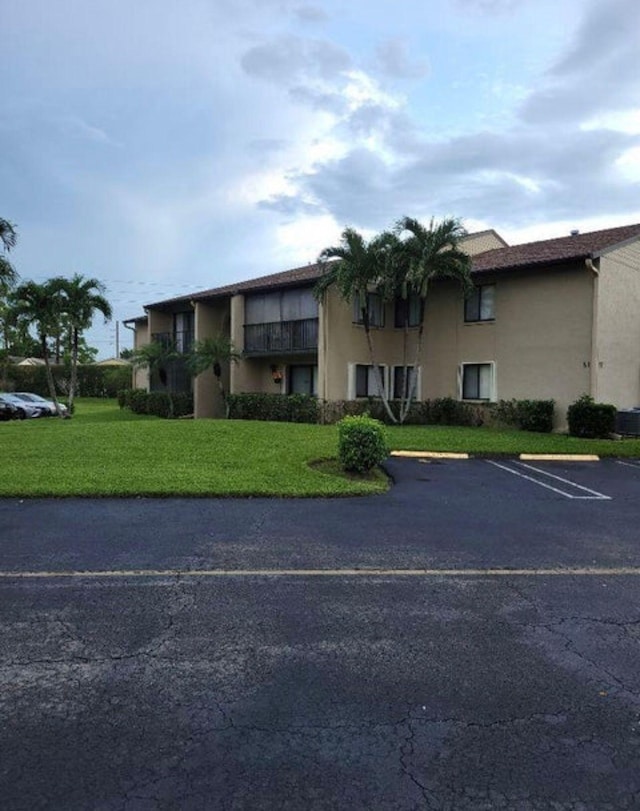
(25, 409)
(46, 406)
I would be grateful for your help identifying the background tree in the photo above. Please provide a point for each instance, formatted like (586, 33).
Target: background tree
(157, 357)
(80, 300)
(8, 280)
(39, 305)
(358, 269)
(424, 255)
(213, 353)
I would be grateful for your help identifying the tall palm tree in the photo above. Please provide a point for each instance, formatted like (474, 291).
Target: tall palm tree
(360, 267)
(213, 353)
(39, 305)
(157, 357)
(8, 238)
(80, 300)
(423, 256)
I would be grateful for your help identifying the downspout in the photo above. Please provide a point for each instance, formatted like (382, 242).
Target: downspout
(593, 363)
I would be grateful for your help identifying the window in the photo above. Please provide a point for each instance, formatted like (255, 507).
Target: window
(401, 382)
(295, 304)
(477, 381)
(480, 306)
(408, 310)
(375, 306)
(363, 381)
(302, 379)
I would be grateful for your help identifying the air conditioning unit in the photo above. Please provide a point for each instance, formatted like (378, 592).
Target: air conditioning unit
(628, 422)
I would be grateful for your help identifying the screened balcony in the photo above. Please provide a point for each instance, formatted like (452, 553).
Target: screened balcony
(300, 335)
(181, 340)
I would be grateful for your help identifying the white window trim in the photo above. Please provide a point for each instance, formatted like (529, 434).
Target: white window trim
(493, 394)
(351, 379)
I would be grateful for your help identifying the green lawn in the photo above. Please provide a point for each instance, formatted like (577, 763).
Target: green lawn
(103, 451)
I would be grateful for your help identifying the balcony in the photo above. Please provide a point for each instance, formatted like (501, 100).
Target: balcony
(181, 340)
(281, 336)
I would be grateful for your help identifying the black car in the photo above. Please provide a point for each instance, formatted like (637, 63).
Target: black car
(8, 412)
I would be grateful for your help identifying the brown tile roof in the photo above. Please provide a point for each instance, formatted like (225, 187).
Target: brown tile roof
(554, 251)
(306, 273)
(530, 254)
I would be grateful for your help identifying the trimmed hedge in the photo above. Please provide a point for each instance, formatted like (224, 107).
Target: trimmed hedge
(361, 444)
(93, 381)
(528, 415)
(591, 420)
(156, 403)
(441, 411)
(274, 407)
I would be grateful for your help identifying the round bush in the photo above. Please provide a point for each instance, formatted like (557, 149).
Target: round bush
(361, 444)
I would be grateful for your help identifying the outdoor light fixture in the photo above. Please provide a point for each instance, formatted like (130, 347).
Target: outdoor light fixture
(276, 374)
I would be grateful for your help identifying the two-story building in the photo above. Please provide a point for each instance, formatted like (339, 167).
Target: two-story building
(549, 319)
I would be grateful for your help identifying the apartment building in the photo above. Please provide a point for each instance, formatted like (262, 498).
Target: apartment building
(549, 319)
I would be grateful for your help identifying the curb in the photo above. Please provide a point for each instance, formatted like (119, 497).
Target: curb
(429, 455)
(559, 457)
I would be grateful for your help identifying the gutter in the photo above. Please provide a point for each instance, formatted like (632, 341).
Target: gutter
(593, 362)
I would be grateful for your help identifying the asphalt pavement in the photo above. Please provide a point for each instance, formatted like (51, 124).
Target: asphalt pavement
(242, 654)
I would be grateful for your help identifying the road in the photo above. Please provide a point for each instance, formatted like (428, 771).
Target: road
(232, 654)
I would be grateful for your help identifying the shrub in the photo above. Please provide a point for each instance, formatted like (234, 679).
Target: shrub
(589, 419)
(274, 407)
(361, 443)
(156, 402)
(93, 381)
(528, 415)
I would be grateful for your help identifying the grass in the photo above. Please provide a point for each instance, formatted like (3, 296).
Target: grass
(103, 451)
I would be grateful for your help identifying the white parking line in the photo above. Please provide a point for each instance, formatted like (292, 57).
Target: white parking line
(628, 464)
(593, 494)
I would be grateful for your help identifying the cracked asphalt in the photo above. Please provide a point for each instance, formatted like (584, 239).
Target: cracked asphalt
(371, 691)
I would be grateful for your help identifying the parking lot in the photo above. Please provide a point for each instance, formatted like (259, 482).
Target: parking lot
(468, 640)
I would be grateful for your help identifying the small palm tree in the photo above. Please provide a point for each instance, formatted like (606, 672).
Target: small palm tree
(39, 305)
(358, 268)
(80, 300)
(213, 353)
(425, 255)
(157, 356)
(8, 238)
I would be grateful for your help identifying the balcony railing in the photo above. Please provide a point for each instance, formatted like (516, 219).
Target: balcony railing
(282, 336)
(182, 340)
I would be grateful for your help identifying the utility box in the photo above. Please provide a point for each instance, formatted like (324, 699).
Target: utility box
(628, 422)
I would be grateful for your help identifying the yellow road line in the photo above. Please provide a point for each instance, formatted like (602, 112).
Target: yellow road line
(586, 571)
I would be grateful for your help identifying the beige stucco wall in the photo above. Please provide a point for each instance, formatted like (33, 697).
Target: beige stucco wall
(616, 357)
(539, 342)
(141, 338)
(480, 242)
(211, 320)
(345, 343)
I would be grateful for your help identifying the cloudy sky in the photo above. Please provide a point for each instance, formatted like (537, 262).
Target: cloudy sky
(167, 146)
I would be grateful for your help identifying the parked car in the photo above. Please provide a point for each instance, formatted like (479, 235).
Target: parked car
(25, 409)
(7, 411)
(41, 402)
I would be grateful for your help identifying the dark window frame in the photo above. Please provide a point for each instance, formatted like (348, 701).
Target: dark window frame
(466, 383)
(412, 304)
(308, 366)
(361, 374)
(357, 312)
(398, 371)
(473, 305)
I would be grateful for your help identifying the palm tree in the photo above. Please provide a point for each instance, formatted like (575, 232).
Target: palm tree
(39, 305)
(81, 299)
(8, 238)
(157, 356)
(213, 353)
(361, 267)
(427, 254)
